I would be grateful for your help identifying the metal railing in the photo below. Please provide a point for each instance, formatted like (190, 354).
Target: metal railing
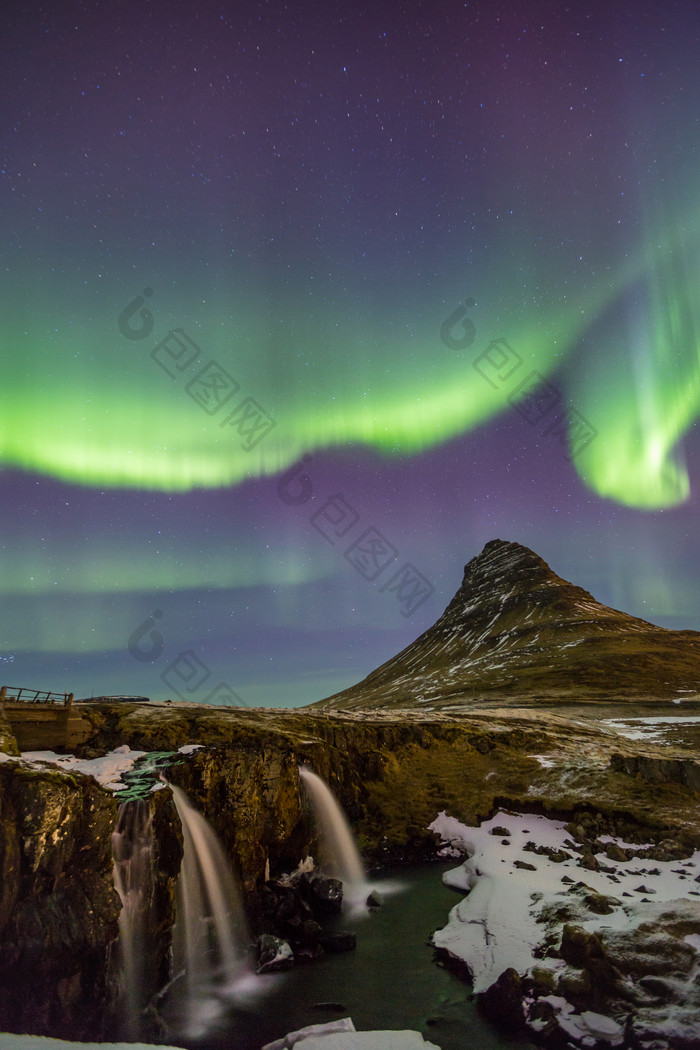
(21, 694)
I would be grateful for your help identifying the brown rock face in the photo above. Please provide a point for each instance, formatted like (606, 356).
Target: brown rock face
(515, 630)
(58, 907)
(8, 743)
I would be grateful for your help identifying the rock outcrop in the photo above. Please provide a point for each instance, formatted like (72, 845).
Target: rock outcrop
(58, 906)
(8, 741)
(516, 631)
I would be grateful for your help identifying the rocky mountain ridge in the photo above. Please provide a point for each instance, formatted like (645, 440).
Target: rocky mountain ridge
(517, 632)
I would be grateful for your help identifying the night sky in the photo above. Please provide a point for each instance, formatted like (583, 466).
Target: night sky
(304, 303)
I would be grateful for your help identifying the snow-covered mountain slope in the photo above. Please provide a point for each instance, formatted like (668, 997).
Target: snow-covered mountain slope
(516, 631)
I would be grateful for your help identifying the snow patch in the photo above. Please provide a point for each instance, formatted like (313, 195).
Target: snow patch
(510, 889)
(342, 1035)
(40, 1042)
(106, 770)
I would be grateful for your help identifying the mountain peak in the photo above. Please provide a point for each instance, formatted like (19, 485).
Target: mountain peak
(505, 565)
(516, 630)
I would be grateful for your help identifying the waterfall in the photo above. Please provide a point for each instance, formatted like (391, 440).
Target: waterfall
(132, 851)
(341, 853)
(211, 940)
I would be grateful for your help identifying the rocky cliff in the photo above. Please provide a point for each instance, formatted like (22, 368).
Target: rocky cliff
(58, 907)
(514, 632)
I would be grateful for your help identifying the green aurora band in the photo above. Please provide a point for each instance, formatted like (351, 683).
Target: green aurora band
(111, 417)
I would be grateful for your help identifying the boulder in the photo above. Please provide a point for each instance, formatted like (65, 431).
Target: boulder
(324, 895)
(273, 954)
(503, 1000)
(338, 942)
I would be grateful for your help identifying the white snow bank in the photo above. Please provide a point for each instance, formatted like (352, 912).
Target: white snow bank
(369, 1041)
(341, 1035)
(344, 1024)
(107, 770)
(651, 728)
(40, 1042)
(496, 926)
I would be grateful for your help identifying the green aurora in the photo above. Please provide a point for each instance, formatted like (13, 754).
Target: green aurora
(87, 406)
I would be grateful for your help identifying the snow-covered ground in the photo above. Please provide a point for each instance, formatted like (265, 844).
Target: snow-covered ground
(341, 1035)
(334, 1035)
(653, 727)
(512, 891)
(38, 1042)
(107, 770)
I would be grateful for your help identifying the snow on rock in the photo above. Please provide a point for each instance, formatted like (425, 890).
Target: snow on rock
(650, 728)
(341, 1035)
(525, 880)
(344, 1024)
(40, 1042)
(107, 770)
(588, 1028)
(494, 927)
(369, 1041)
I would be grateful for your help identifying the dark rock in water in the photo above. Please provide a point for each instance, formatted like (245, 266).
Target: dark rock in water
(524, 865)
(338, 942)
(333, 1008)
(273, 954)
(503, 1000)
(374, 900)
(324, 895)
(500, 831)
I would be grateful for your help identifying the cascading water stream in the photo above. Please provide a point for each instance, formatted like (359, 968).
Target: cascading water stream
(340, 852)
(132, 851)
(211, 940)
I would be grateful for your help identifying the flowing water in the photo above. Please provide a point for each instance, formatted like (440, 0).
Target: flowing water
(211, 943)
(340, 854)
(132, 851)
